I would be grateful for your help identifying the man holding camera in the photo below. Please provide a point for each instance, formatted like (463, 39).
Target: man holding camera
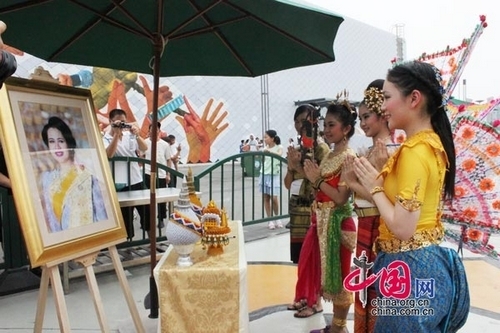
(123, 139)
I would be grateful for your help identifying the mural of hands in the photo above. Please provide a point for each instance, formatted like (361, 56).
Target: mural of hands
(109, 90)
(202, 132)
(164, 95)
(118, 99)
(102, 84)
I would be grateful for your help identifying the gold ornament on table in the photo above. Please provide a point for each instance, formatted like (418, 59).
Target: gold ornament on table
(215, 234)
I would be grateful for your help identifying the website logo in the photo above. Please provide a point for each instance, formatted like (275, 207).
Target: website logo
(395, 285)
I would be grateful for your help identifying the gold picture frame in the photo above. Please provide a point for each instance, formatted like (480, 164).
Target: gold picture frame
(61, 181)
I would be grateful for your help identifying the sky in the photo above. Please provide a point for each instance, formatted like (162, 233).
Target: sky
(431, 25)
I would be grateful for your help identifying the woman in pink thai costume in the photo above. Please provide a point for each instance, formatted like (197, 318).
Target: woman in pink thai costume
(408, 193)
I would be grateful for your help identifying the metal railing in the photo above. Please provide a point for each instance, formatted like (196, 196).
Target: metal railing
(234, 184)
(173, 173)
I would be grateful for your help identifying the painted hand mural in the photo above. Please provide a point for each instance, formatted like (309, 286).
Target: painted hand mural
(202, 132)
(118, 100)
(109, 90)
(103, 85)
(164, 95)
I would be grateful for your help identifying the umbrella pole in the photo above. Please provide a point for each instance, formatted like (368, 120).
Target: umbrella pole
(158, 46)
(153, 291)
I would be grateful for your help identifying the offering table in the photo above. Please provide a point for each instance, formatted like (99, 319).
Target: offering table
(210, 295)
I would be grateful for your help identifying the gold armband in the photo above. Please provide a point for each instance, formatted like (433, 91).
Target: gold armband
(410, 205)
(376, 189)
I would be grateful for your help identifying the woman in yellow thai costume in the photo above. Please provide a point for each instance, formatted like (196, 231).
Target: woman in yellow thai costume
(325, 259)
(71, 196)
(373, 123)
(431, 293)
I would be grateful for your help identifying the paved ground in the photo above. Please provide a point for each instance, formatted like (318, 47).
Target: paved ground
(262, 246)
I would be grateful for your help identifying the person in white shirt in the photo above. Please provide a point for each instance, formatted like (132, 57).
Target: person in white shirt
(253, 143)
(270, 180)
(163, 156)
(123, 139)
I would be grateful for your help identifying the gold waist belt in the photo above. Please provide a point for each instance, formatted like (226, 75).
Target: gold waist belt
(366, 211)
(419, 240)
(320, 205)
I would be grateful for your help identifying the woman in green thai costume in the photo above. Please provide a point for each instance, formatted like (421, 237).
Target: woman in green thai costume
(325, 259)
(71, 196)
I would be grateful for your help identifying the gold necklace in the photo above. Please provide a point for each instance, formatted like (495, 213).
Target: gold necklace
(332, 163)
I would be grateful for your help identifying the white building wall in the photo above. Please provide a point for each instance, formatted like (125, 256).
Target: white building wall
(363, 54)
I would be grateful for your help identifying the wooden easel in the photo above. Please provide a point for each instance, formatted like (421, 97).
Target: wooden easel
(50, 272)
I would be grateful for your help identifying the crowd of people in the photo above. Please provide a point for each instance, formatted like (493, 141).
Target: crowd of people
(251, 144)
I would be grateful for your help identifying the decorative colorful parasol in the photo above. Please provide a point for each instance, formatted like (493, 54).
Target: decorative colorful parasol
(474, 240)
(451, 61)
(476, 206)
(474, 213)
(481, 111)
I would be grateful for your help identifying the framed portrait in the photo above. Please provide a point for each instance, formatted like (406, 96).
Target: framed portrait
(61, 181)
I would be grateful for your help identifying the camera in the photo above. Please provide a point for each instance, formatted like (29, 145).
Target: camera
(121, 125)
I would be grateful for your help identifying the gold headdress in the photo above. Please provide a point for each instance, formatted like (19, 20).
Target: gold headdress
(374, 99)
(343, 99)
